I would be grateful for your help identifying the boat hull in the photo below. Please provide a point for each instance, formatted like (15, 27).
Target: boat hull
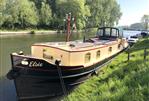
(33, 87)
(41, 83)
(51, 71)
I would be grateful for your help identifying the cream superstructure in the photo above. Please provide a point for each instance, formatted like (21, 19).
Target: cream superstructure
(77, 53)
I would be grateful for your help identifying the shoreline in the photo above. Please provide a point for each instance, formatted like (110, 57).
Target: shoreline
(22, 33)
(6, 33)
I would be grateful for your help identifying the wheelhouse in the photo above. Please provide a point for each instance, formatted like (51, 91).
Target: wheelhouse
(108, 32)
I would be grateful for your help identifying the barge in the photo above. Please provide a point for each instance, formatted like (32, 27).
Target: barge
(63, 61)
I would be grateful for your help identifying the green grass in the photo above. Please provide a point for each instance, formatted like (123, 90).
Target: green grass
(118, 81)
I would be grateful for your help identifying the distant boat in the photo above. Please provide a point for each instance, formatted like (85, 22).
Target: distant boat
(64, 60)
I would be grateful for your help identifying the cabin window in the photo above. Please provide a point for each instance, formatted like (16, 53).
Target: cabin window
(87, 57)
(98, 54)
(110, 49)
(107, 32)
(119, 46)
(99, 33)
(114, 33)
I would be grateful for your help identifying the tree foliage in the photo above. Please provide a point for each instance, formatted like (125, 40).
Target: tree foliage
(27, 13)
(77, 8)
(51, 13)
(19, 13)
(2, 8)
(136, 26)
(45, 14)
(10, 13)
(104, 12)
(145, 21)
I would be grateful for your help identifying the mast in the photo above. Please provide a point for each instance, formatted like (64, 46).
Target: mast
(68, 19)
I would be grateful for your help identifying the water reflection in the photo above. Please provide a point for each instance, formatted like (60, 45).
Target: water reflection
(7, 90)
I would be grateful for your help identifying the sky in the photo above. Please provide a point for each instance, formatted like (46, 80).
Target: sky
(132, 11)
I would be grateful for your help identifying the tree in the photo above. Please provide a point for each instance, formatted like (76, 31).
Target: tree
(96, 10)
(137, 26)
(77, 8)
(104, 12)
(115, 13)
(45, 14)
(38, 3)
(27, 13)
(10, 13)
(20, 13)
(2, 8)
(52, 4)
(145, 21)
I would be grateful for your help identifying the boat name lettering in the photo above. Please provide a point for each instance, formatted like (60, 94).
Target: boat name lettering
(35, 64)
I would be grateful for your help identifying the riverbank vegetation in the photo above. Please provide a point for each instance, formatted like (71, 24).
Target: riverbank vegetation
(51, 14)
(121, 80)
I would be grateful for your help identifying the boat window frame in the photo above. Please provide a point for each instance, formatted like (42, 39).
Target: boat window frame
(110, 49)
(87, 57)
(107, 32)
(111, 30)
(98, 54)
(119, 46)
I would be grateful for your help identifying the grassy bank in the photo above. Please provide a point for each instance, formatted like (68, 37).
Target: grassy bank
(119, 81)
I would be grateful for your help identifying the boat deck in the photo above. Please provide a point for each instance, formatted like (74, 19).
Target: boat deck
(78, 45)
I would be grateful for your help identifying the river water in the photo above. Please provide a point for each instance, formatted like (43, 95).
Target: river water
(17, 43)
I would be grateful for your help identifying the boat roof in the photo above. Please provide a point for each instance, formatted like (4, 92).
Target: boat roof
(78, 45)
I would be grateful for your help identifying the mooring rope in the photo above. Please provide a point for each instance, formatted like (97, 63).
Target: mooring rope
(57, 62)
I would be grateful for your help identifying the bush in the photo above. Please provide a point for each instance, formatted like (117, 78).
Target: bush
(32, 32)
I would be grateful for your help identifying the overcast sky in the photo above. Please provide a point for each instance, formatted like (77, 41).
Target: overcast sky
(133, 10)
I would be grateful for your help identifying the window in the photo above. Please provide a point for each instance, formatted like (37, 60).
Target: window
(98, 54)
(100, 32)
(107, 32)
(87, 57)
(119, 46)
(110, 49)
(114, 33)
